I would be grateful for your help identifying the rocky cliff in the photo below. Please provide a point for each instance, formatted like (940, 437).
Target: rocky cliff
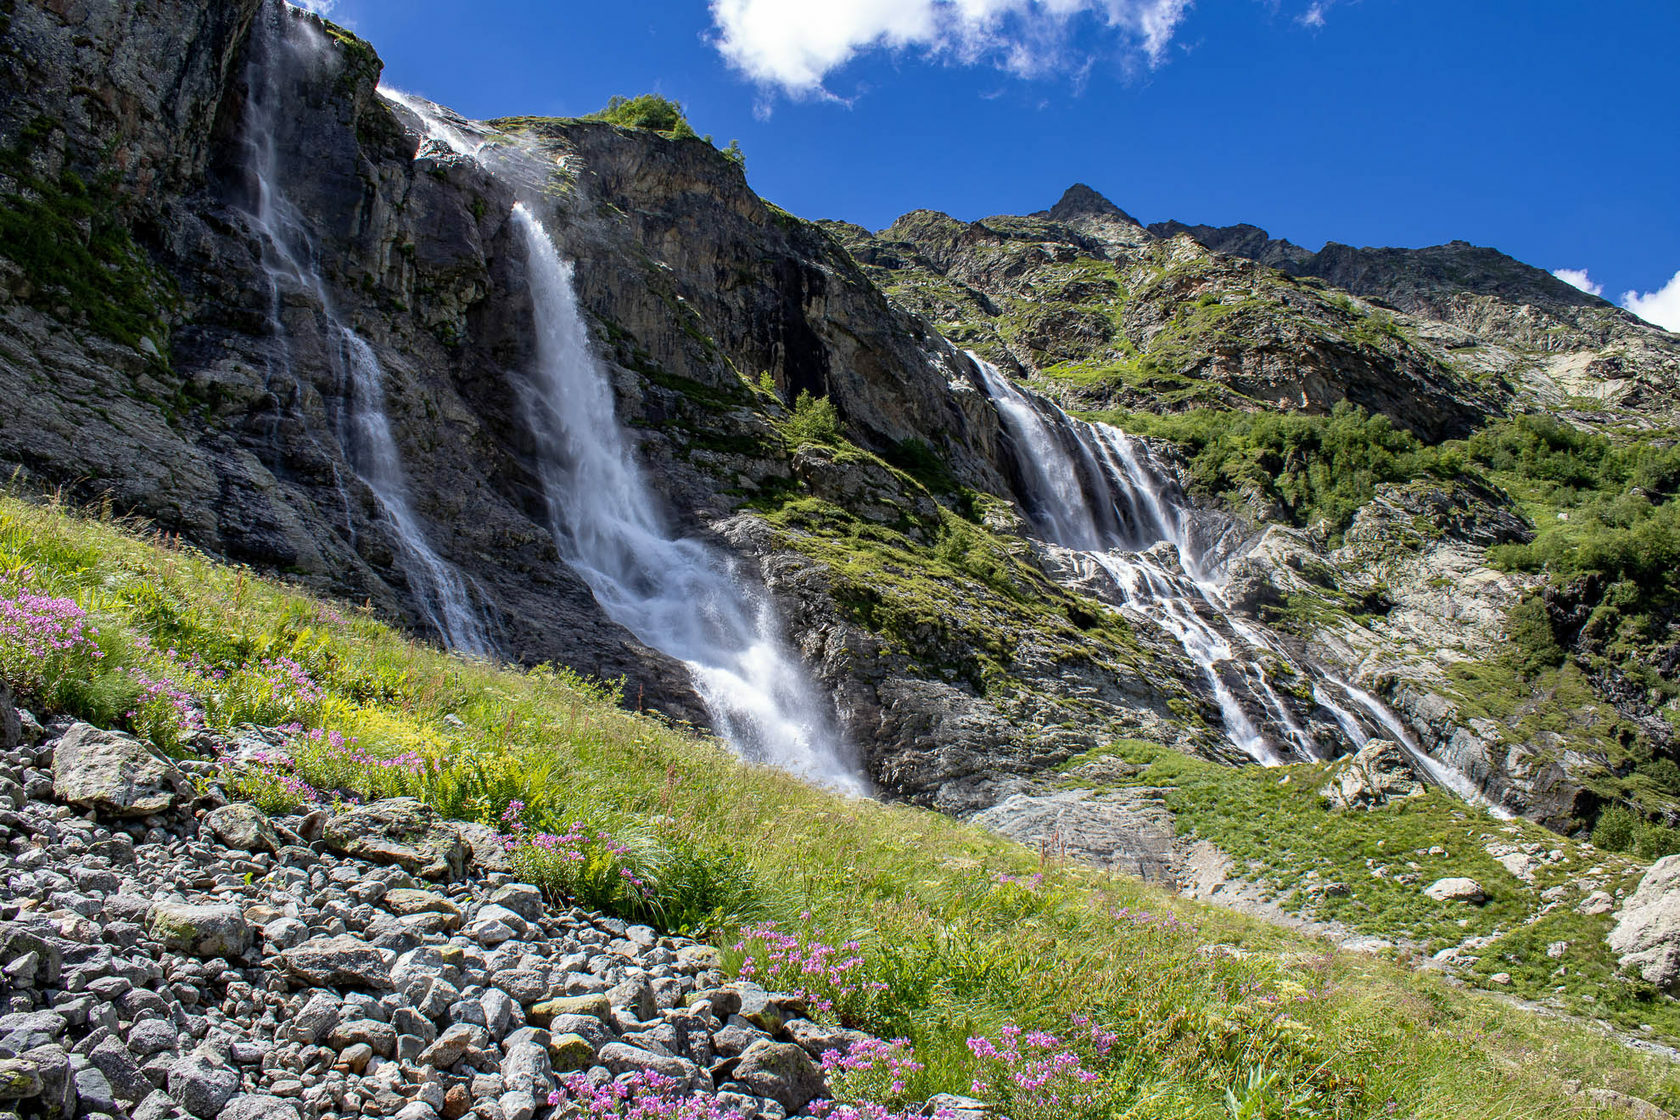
(186, 267)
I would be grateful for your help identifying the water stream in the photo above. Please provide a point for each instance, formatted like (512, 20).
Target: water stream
(1093, 489)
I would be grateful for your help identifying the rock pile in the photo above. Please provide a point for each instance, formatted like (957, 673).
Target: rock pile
(165, 955)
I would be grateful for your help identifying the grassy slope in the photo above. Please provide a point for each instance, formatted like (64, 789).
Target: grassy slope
(1273, 825)
(957, 950)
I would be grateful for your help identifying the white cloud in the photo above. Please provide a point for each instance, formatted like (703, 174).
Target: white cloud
(795, 44)
(319, 7)
(1313, 16)
(1578, 278)
(1661, 307)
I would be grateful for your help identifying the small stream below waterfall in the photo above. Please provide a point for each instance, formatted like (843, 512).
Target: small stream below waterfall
(363, 426)
(1098, 493)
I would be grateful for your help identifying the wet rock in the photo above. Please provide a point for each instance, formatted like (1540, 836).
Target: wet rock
(113, 774)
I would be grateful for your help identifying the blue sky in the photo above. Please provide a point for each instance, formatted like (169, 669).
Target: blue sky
(1546, 128)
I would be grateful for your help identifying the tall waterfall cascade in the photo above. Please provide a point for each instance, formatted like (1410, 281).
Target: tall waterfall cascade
(1097, 492)
(364, 435)
(677, 595)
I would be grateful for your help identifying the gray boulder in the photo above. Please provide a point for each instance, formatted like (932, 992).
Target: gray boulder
(401, 831)
(258, 1106)
(1646, 937)
(1378, 774)
(113, 774)
(201, 1084)
(781, 1071)
(1456, 890)
(19, 1078)
(243, 826)
(217, 930)
(337, 962)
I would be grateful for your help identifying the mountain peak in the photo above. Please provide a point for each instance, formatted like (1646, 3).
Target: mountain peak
(1081, 201)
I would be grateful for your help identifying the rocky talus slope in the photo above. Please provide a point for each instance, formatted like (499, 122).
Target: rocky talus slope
(167, 954)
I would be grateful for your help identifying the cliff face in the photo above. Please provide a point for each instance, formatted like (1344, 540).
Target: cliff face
(230, 230)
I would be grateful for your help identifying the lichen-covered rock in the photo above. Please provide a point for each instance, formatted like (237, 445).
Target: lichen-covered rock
(1379, 773)
(113, 774)
(403, 831)
(781, 1071)
(243, 826)
(1646, 937)
(215, 930)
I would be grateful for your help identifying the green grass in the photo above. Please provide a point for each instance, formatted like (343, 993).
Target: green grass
(1269, 1019)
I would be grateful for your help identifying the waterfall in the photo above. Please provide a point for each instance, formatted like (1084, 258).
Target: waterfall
(677, 595)
(1094, 489)
(364, 433)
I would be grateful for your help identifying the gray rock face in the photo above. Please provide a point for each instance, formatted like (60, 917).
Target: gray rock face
(1378, 774)
(1646, 937)
(11, 728)
(202, 1085)
(113, 773)
(402, 831)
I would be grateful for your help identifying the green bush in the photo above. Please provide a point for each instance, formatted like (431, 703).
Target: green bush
(649, 111)
(814, 420)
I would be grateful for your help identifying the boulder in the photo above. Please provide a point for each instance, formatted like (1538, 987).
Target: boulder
(243, 826)
(337, 962)
(113, 774)
(597, 1006)
(1378, 774)
(401, 831)
(201, 1084)
(486, 847)
(1646, 937)
(217, 930)
(258, 1106)
(781, 1071)
(18, 940)
(1456, 890)
(19, 1077)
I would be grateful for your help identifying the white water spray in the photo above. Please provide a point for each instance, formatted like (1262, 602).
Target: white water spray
(440, 591)
(677, 595)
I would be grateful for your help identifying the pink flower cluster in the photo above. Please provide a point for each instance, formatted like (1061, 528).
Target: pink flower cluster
(42, 626)
(1144, 920)
(868, 1110)
(804, 965)
(895, 1059)
(643, 1095)
(1029, 882)
(1035, 1073)
(573, 846)
(288, 677)
(182, 707)
(278, 768)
